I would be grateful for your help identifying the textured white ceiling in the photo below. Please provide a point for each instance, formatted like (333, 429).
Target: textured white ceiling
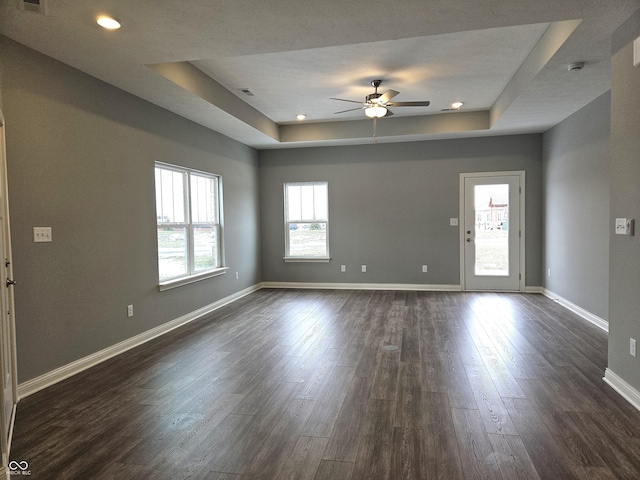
(506, 59)
(473, 67)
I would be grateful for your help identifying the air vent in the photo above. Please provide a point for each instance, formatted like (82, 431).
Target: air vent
(247, 92)
(36, 6)
(575, 67)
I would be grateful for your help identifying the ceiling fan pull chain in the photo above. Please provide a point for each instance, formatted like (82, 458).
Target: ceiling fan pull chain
(375, 125)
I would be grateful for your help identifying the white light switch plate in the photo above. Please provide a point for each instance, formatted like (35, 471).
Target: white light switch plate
(624, 226)
(42, 234)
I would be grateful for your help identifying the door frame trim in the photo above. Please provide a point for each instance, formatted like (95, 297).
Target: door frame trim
(518, 173)
(4, 177)
(7, 423)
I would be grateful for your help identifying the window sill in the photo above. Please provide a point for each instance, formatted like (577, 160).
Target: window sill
(308, 259)
(178, 282)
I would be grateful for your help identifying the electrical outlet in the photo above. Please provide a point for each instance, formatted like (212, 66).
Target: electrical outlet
(424, 269)
(548, 272)
(237, 276)
(129, 310)
(343, 268)
(632, 347)
(364, 269)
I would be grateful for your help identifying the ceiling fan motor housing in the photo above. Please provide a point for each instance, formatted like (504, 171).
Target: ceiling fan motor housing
(376, 105)
(371, 98)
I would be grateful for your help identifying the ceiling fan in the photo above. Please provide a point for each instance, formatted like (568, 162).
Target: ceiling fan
(376, 105)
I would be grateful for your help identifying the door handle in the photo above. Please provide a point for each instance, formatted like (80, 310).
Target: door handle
(10, 282)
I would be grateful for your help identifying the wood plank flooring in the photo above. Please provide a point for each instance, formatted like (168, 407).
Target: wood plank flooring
(345, 385)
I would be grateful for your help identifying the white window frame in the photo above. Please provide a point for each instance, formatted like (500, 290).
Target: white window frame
(192, 275)
(287, 221)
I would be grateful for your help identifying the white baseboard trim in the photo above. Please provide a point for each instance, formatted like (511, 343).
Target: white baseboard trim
(588, 316)
(629, 393)
(43, 381)
(532, 289)
(363, 286)
(377, 286)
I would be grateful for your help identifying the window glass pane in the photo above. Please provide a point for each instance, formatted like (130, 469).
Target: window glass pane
(321, 202)
(293, 202)
(306, 202)
(308, 239)
(205, 246)
(172, 252)
(203, 199)
(492, 236)
(169, 196)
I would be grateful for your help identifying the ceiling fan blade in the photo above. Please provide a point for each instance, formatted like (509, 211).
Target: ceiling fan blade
(344, 100)
(388, 114)
(409, 104)
(386, 96)
(350, 110)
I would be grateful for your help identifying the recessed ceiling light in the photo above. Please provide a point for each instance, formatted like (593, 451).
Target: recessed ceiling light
(109, 23)
(301, 116)
(457, 105)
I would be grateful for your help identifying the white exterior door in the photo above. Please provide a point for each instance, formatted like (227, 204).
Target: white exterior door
(492, 239)
(7, 327)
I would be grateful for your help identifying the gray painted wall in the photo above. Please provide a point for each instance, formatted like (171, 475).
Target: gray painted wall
(576, 207)
(624, 259)
(390, 204)
(80, 158)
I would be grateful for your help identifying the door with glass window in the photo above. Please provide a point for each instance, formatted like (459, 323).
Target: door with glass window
(492, 248)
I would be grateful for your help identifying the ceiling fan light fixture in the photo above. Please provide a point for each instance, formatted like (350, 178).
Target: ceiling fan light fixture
(375, 111)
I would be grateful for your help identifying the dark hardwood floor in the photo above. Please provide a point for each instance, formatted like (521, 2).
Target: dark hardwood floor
(333, 385)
